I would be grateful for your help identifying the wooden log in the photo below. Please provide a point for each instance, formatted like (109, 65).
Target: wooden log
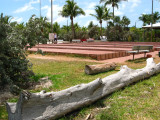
(52, 105)
(99, 68)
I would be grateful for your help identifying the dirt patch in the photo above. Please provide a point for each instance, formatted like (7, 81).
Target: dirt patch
(5, 95)
(67, 58)
(61, 58)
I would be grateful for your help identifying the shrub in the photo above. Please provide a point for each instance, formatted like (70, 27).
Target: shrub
(14, 67)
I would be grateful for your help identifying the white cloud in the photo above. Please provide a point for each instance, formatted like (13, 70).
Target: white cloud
(27, 6)
(157, 9)
(118, 13)
(123, 6)
(87, 13)
(24, 8)
(134, 3)
(92, 5)
(45, 7)
(88, 10)
(56, 17)
(19, 20)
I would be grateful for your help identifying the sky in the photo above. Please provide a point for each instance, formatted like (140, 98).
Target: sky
(22, 10)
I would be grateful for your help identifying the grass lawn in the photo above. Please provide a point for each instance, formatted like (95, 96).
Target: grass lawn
(135, 102)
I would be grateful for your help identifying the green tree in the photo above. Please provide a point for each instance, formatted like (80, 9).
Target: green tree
(99, 15)
(107, 15)
(125, 21)
(93, 32)
(35, 31)
(114, 3)
(14, 67)
(145, 18)
(56, 28)
(72, 10)
(90, 25)
(156, 17)
(117, 20)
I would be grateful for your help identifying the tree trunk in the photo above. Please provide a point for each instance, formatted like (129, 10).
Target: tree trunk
(113, 8)
(73, 32)
(94, 69)
(101, 28)
(113, 12)
(52, 105)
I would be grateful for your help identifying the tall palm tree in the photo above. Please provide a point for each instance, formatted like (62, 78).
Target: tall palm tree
(72, 10)
(107, 15)
(114, 3)
(99, 14)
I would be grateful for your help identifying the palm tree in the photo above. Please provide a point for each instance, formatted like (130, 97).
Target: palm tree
(41, 29)
(117, 20)
(72, 10)
(114, 3)
(125, 21)
(145, 18)
(56, 28)
(156, 17)
(107, 15)
(5, 19)
(90, 25)
(66, 28)
(99, 14)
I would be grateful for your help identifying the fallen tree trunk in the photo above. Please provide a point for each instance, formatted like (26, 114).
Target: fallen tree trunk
(94, 69)
(51, 105)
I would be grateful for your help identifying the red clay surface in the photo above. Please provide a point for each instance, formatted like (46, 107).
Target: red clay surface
(95, 50)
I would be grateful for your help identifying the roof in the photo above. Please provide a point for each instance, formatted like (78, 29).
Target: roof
(154, 26)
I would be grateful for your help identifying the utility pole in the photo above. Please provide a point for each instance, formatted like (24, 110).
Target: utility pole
(67, 26)
(51, 17)
(40, 7)
(152, 21)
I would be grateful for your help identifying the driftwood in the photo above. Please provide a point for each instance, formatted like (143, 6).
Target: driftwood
(94, 69)
(51, 105)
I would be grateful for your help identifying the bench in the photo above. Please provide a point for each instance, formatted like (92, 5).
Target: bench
(76, 40)
(90, 40)
(140, 49)
(59, 41)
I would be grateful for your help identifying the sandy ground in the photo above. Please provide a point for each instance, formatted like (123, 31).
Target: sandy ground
(67, 58)
(61, 58)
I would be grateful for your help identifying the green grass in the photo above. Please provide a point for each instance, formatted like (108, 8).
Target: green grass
(3, 114)
(138, 101)
(65, 74)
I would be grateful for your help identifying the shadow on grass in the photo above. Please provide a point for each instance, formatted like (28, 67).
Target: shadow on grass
(139, 60)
